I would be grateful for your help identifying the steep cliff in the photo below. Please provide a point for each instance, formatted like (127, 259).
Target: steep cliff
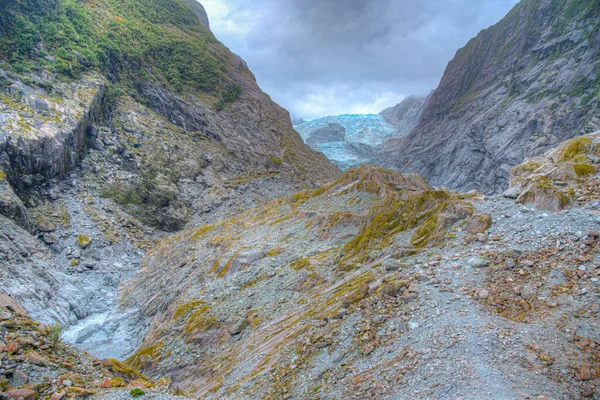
(170, 112)
(405, 115)
(514, 91)
(121, 121)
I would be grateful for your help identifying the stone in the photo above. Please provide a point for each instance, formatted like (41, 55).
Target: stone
(482, 237)
(46, 226)
(23, 394)
(512, 193)
(528, 294)
(50, 238)
(393, 265)
(76, 253)
(35, 358)
(83, 241)
(477, 262)
(238, 327)
(20, 378)
(484, 294)
(510, 263)
(41, 104)
(585, 373)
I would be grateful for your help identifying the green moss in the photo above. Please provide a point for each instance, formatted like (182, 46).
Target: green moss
(146, 355)
(137, 392)
(583, 169)
(121, 368)
(186, 308)
(276, 160)
(83, 241)
(199, 322)
(574, 148)
(398, 213)
(162, 39)
(303, 263)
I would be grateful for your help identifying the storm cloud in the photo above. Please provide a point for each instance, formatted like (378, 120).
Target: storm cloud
(326, 57)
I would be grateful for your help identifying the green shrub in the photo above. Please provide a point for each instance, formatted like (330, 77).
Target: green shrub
(55, 333)
(123, 38)
(230, 94)
(137, 392)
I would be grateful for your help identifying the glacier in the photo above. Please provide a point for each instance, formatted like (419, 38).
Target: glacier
(364, 132)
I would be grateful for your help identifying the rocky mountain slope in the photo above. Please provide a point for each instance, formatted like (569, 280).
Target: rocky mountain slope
(249, 305)
(377, 286)
(35, 363)
(516, 90)
(405, 115)
(121, 121)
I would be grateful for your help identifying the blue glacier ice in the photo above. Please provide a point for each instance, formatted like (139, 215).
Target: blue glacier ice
(364, 132)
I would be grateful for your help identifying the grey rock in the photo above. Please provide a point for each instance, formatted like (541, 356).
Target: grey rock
(328, 134)
(477, 262)
(490, 110)
(50, 238)
(405, 114)
(512, 193)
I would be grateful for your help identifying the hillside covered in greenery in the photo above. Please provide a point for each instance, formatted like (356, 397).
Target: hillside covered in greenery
(127, 40)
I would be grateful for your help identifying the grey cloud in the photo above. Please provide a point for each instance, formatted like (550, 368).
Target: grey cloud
(350, 55)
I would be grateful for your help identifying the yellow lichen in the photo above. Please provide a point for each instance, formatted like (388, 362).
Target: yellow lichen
(583, 169)
(143, 356)
(186, 308)
(574, 148)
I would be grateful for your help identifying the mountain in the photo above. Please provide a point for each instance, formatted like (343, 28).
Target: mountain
(405, 115)
(363, 133)
(121, 122)
(516, 90)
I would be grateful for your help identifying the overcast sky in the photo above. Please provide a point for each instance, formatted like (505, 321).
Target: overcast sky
(328, 57)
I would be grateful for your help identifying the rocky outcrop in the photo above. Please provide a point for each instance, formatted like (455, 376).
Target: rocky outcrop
(200, 12)
(560, 178)
(269, 271)
(405, 115)
(36, 363)
(11, 206)
(168, 156)
(31, 278)
(516, 90)
(43, 136)
(328, 134)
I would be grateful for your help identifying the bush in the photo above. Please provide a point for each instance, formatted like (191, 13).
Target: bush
(55, 332)
(137, 392)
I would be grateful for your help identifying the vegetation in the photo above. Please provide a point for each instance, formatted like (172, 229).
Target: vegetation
(230, 94)
(55, 332)
(137, 392)
(125, 39)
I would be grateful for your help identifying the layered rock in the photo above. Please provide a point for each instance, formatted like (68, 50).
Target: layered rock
(561, 177)
(39, 365)
(516, 90)
(238, 295)
(328, 134)
(405, 115)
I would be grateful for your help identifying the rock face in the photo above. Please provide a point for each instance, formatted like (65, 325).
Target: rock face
(268, 271)
(39, 365)
(145, 125)
(168, 149)
(11, 206)
(200, 12)
(405, 115)
(562, 176)
(516, 90)
(328, 134)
